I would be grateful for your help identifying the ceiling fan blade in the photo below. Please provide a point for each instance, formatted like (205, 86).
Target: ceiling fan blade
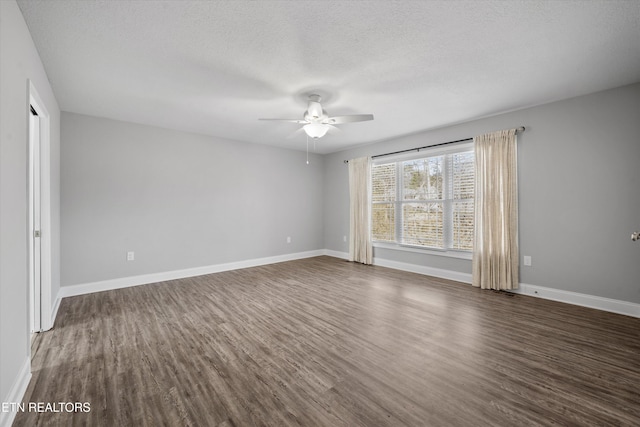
(288, 120)
(334, 129)
(348, 119)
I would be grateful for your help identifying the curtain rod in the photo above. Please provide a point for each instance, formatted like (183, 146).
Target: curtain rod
(520, 129)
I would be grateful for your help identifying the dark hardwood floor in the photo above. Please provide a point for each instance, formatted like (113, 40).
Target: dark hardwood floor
(324, 342)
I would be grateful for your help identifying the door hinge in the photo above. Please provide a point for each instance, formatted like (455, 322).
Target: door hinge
(36, 233)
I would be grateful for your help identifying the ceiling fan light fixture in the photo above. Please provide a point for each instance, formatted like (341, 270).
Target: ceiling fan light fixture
(316, 130)
(317, 122)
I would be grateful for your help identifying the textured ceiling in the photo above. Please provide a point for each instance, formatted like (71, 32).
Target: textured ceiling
(215, 67)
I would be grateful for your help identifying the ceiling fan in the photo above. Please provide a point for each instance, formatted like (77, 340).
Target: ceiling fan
(317, 122)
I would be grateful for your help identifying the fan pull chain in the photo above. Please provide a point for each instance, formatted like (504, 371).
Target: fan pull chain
(307, 149)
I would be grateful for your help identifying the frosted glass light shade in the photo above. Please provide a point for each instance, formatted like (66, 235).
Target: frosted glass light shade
(315, 130)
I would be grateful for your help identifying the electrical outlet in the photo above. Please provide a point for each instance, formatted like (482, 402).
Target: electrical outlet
(288, 239)
(131, 256)
(527, 260)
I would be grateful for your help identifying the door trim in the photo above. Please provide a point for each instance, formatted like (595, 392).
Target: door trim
(45, 207)
(35, 252)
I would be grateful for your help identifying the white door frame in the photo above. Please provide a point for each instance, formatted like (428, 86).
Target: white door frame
(38, 105)
(35, 288)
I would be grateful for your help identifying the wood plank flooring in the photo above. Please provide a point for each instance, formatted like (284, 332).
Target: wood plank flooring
(324, 342)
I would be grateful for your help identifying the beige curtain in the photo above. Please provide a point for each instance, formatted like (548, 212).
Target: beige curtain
(360, 248)
(495, 250)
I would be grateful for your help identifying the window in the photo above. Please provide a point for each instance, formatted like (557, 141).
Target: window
(425, 201)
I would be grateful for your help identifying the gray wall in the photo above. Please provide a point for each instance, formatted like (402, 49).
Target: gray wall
(178, 200)
(579, 188)
(19, 61)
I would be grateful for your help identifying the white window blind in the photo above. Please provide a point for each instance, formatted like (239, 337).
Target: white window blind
(383, 202)
(426, 201)
(462, 178)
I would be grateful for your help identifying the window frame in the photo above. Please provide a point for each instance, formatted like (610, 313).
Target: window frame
(447, 202)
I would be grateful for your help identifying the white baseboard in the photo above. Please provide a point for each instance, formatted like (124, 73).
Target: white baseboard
(336, 254)
(16, 394)
(413, 268)
(145, 279)
(575, 298)
(423, 269)
(584, 300)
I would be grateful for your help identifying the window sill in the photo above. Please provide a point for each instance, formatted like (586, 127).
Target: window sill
(415, 249)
